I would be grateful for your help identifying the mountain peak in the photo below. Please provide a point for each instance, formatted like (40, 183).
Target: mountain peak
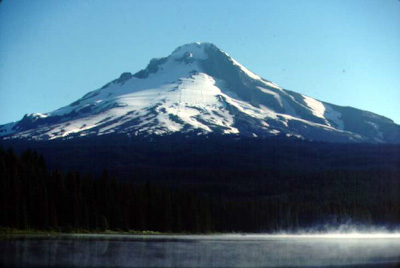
(192, 54)
(200, 89)
(195, 50)
(192, 51)
(193, 47)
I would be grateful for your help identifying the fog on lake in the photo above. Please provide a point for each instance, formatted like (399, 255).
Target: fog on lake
(201, 251)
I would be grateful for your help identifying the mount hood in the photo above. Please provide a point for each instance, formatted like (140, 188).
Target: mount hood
(200, 89)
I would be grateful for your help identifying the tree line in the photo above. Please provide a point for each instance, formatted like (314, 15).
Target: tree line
(35, 196)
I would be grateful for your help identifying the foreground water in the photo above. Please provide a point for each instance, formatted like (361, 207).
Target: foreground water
(201, 251)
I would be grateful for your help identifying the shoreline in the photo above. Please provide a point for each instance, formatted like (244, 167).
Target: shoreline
(18, 233)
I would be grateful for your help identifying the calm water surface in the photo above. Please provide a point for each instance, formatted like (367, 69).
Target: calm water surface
(199, 251)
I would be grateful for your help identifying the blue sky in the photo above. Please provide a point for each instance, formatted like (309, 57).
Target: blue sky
(345, 52)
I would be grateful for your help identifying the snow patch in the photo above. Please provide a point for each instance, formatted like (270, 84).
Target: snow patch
(196, 50)
(245, 70)
(376, 127)
(7, 129)
(334, 116)
(316, 107)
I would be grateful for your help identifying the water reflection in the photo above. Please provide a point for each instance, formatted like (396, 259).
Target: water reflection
(199, 251)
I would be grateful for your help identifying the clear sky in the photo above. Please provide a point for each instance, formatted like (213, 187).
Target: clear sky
(345, 52)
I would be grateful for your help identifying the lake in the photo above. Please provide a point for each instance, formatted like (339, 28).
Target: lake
(201, 251)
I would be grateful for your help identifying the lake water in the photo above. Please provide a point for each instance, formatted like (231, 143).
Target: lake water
(200, 251)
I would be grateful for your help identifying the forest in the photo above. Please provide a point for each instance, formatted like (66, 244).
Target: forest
(293, 188)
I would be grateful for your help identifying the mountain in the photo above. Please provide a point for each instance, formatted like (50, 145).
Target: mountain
(200, 89)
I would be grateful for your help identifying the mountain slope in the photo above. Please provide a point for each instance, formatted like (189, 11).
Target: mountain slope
(200, 89)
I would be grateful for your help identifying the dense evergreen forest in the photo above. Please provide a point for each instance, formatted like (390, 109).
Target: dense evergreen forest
(179, 185)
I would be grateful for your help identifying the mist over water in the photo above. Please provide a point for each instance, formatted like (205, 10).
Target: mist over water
(346, 229)
(229, 250)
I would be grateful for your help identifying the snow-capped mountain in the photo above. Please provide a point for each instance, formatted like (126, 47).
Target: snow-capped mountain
(200, 89)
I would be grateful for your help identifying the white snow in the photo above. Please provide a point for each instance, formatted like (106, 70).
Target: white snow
(196, 51)
(245, 70)
(376, 127)
(334, 116)
(178, 96)
(316, 107)
(271, 84)
(7, 129)
(272, 93)
(37, 115)
(325, 112)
